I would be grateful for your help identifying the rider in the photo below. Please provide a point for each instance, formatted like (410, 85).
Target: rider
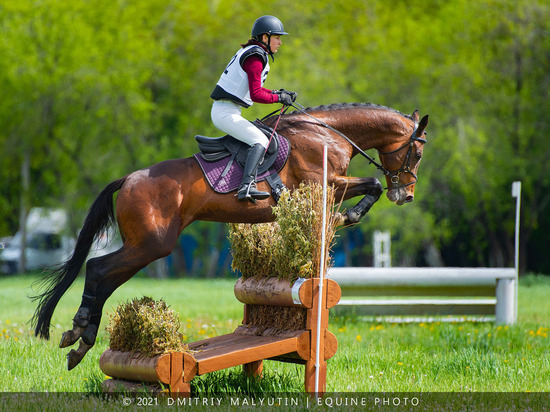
(240, 85)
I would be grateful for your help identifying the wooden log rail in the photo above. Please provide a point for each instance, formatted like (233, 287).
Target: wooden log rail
(164, 371)
(242, 347)
(279, 292)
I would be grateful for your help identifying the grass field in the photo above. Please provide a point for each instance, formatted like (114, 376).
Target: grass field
(372, 357)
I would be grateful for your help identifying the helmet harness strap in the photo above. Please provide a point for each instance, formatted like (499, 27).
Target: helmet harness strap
(268, 44)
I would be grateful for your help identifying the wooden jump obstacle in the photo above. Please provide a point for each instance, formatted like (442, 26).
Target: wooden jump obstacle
(429, 291)
(249, 345)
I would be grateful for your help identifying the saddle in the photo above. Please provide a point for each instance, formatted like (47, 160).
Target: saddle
(222, 160)
(216, 148)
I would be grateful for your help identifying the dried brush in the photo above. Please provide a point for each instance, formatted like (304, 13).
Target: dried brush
(291, 246)
(145, 326)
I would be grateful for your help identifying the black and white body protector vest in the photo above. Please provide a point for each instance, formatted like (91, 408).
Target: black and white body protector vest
(233, 83)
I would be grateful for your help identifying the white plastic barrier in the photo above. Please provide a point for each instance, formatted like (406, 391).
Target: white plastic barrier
(429, 291)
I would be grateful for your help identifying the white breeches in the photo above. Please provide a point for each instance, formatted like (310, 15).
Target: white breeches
(227, 117)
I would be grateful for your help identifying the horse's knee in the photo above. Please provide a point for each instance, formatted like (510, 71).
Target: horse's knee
(375, 187)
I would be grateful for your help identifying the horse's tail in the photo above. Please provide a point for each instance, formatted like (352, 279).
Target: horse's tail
(100, 217)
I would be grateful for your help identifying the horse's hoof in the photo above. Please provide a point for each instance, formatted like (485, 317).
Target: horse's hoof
(351, 217)
(75, 356)
(67, 339)
(339, 219)
(70, 337)
(73, 359)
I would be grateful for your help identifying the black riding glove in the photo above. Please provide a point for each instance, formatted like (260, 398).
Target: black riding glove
(286, 97)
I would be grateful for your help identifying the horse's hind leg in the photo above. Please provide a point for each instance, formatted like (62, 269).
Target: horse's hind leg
(103, 276)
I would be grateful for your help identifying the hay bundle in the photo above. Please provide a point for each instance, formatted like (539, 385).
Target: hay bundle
(291, 246)
(288, 248)
(252, 248)
(146, 326)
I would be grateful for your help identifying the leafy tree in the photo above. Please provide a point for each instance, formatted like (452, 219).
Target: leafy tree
(92, 90)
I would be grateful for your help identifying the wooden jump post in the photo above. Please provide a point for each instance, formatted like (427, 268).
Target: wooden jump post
(247, 345)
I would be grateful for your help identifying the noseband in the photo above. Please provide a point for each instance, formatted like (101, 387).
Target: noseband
(394, 176)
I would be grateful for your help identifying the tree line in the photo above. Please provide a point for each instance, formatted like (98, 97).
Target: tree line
(92, 90)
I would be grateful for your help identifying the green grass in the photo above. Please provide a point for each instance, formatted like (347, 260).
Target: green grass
(372, 357)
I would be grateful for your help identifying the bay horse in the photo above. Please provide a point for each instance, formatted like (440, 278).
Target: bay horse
(155, 204)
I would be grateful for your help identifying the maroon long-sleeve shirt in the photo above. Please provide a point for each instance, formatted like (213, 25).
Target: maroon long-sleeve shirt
(253, 67)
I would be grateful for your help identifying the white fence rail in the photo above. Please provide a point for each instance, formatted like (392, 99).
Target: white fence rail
(429, 291)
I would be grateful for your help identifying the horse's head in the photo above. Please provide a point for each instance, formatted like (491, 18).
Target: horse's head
(402, 163)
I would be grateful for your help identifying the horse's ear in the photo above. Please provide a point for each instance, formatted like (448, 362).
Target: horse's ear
(421, 126)
(415, 116)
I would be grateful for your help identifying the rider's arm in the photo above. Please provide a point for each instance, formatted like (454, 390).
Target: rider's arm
(253, 67)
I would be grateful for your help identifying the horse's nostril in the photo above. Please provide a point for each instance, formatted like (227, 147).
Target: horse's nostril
(409, 199)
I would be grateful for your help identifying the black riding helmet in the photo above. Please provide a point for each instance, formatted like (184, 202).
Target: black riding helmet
(267, 25)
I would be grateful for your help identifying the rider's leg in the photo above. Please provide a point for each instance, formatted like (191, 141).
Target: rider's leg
(226, 116)
(247, 189)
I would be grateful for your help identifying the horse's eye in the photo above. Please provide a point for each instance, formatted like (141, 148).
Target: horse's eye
(419, 155)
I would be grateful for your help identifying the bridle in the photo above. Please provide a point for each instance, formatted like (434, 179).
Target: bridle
(406, 166)
(393, 175)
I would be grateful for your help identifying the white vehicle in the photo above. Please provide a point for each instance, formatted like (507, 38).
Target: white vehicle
(48, 242)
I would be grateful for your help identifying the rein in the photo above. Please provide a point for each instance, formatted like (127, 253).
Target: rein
(300, 108)
(283, 110)
(394, 176)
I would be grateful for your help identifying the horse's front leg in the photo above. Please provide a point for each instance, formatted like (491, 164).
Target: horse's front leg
(348, 187)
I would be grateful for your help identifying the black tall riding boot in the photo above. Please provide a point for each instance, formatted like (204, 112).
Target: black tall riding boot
(247, 189)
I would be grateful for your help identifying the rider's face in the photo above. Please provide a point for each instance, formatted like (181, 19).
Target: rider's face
(275, 42)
